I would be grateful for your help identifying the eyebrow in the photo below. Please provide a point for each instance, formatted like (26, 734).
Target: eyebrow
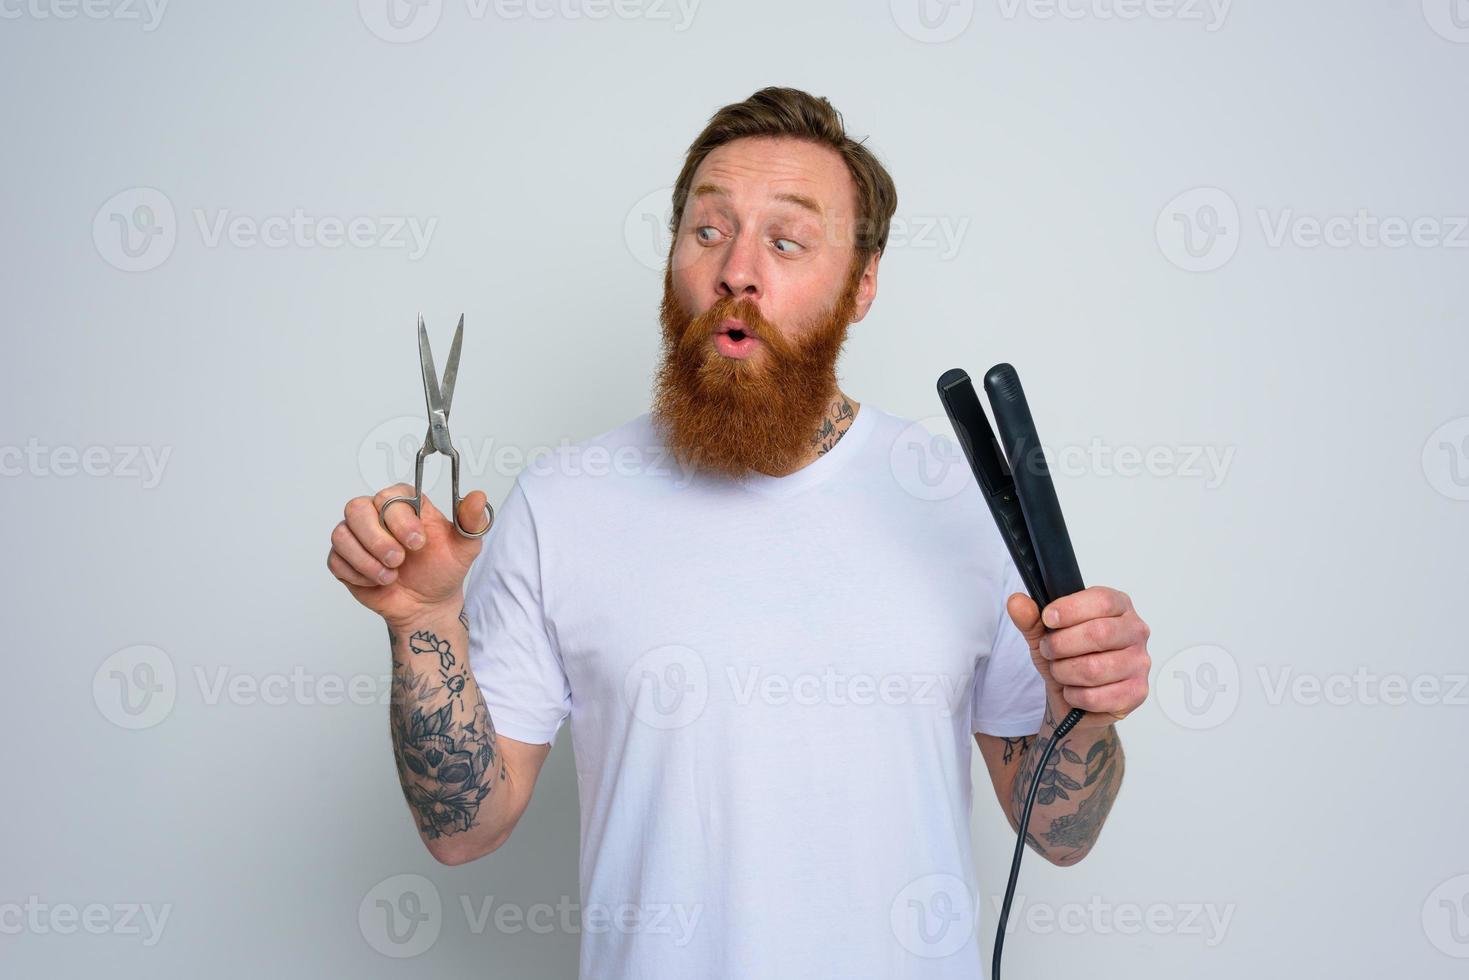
(800, 200)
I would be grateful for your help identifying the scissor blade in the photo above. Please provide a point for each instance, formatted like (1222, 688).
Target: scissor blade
(438, 419)
(451, 369)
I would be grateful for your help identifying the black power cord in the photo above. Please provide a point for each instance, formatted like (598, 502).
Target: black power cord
(1061, 732)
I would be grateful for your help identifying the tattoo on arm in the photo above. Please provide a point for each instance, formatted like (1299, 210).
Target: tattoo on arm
(1074, 824)
(1014, 746)
(445, 748)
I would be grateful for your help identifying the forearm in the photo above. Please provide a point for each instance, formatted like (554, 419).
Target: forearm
(1077, 788)
(444, 743)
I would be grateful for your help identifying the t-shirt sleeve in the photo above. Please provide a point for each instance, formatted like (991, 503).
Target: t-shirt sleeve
(512, 653)
(1009, 696)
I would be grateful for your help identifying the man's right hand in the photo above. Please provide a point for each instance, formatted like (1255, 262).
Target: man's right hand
(413, 566)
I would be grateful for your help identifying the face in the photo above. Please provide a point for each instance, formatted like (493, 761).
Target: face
(761, 284)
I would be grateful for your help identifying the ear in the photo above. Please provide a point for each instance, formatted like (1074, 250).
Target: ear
(866, 288)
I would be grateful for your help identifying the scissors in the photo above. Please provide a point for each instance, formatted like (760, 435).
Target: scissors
(437, 440)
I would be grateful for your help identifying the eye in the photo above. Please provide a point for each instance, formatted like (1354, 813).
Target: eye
(699, 231)
(789, 242)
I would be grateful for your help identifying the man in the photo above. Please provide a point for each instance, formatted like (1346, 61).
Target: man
(773, 654)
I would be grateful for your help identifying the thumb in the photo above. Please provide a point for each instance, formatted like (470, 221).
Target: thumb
(1026, 616)
(474, 512)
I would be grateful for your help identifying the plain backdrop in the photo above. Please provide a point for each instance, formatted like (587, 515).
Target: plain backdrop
(1226, 247)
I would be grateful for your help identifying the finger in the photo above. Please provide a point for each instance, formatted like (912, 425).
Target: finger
(350, 550)
(1111, 633)
(366, 525)
(474, 514)
(1026, 617)
(1098, 669)
(346, 572)
(1093, 603)
(400, 519)
(1114, 699)
(402, 522)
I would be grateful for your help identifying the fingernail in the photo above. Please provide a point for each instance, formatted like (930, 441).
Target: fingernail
(415, 540)
(386, 576)
(393, 557)
(1052, 617)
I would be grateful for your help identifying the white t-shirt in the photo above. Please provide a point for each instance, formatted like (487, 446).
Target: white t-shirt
(772, 685)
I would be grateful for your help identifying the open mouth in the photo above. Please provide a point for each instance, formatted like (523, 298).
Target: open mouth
(733, 339)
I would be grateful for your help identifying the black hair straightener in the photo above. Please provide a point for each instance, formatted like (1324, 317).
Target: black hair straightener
(1017, 486)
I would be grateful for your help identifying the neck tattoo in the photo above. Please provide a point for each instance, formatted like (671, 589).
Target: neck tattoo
(834, 425)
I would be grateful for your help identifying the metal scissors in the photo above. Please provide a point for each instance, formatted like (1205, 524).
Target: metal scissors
(437, 440)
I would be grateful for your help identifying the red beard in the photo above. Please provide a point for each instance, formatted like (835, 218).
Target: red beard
(760, 413)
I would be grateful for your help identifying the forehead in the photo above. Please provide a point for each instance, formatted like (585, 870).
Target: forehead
(756, 171)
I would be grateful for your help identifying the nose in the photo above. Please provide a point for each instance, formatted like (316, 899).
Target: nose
(739, 277)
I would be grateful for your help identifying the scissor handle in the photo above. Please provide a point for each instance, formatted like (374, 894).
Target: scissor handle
(453, 455)
(416, 501)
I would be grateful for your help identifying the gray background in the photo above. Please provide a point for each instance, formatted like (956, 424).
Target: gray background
(1325, 830)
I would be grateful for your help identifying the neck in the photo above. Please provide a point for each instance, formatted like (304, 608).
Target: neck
(835, 421)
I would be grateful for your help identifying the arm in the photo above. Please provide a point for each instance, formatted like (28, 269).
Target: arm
(1093, 656)
(1077, 790)
(466, 786)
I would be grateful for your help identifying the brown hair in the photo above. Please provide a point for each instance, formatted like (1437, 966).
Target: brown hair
(775, 111)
